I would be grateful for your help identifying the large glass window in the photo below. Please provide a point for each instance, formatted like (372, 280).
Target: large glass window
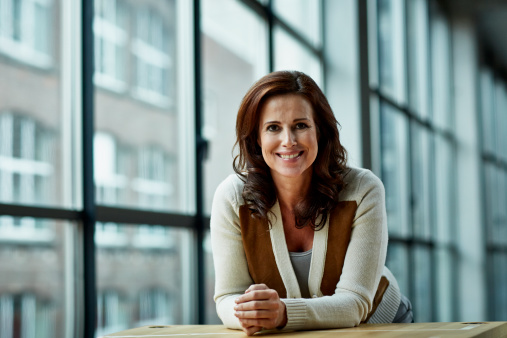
(493, 98)
(153, 259)
(37, 272)
(411, 44)
(234, 43)
(140, 157)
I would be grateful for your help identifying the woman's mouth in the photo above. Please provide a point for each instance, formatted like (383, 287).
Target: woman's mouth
(290, 156)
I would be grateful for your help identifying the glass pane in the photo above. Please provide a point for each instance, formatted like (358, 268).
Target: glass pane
(417, 52)
(391, 35)
(302, 15)
(397, 262)
(445, 284)
(33, 169)
(421, 181)
(491, 213)
(37, 275)
(499, 291)
(444, 201)
(235, 56)
(394, 140)
(422, 299)
(291, 55)
(143, 276)
(141, 148)
(211, 312)
(501, 115)
(441, 66)
(487, 110)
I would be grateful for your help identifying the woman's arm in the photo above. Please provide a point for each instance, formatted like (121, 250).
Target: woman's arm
(231, 269)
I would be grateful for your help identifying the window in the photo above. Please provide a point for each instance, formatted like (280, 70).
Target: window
(493, 98)
(110, 28)
(25, 30)
(152, 50)
(410, 41)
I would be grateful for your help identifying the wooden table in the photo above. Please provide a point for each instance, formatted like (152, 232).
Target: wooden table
(433, 330)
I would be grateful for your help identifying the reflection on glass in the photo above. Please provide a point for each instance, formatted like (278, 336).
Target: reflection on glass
(303, 16)
(138, 144)
(422, 299)
(417, 31)
(397, 262)
(142, 276)
(235, 56)
(33, 273)
(394, 139)
(391, 37)
(291, 55)
(422, 212)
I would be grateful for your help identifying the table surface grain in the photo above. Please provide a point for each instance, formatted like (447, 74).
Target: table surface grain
(433, 330)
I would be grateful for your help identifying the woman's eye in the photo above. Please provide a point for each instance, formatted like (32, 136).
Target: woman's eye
(301, 125)
(272, 127)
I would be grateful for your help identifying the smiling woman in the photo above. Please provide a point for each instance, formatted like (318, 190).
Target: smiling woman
(299, 239)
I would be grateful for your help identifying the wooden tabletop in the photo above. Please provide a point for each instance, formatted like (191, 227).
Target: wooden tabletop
(433, 330)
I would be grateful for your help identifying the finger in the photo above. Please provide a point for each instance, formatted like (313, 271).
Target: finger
(256, 287)
(251, 330)
(258, 305)
(258, 295)
(257, 314)
(262, 323)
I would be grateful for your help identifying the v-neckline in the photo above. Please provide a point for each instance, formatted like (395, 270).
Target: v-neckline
(282, 256)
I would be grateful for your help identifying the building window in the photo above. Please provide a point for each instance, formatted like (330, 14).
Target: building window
(26, 174)
(154, 307)
(151, 47)
(25, 30)
(112, 312)
(110, 30)
(26, 316)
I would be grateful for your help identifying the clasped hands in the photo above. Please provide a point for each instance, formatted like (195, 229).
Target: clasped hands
(260, 308)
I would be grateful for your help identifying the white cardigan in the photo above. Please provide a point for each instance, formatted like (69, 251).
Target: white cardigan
(362, 269)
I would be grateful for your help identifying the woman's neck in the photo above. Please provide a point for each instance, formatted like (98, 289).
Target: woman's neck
(291, 190)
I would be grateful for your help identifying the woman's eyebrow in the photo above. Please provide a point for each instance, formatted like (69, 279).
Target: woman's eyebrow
(271, 122)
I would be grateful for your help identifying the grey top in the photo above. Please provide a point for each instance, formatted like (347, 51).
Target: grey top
(301, 264)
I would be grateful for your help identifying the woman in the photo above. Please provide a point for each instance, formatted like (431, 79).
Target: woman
(299, 239)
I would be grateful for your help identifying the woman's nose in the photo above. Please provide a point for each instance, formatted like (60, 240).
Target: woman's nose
(289, 139)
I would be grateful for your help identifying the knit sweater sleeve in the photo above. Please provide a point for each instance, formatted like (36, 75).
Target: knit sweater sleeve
(231, 269)
(363, 265)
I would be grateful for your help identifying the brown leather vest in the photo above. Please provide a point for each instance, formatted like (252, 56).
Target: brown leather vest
(261, 258)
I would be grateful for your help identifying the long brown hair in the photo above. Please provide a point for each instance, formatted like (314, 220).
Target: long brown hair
(329, 166)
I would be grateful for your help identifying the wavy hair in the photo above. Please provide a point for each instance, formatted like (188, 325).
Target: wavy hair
(329, 166)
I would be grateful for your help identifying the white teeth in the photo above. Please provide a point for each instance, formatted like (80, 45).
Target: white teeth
(289, 156)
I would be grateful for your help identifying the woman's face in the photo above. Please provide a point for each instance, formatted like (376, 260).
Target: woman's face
(288, 135)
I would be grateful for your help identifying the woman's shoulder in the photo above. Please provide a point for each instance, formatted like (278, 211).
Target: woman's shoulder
(358, 181)
(231, 189)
